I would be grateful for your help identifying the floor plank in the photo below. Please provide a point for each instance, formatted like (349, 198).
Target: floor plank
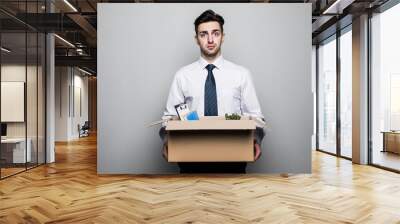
(70, 191)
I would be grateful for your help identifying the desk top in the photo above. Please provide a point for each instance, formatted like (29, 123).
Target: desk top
(14, 140)
(390, 132)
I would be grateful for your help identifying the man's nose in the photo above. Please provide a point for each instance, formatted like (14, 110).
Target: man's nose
(210, 39)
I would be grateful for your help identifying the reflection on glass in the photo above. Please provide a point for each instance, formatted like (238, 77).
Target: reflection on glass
(395, 101)
(346, 93)
(327, 97)
(386, 89)
(14, 153)
(22, 90)
(41, 98)
(31, 101)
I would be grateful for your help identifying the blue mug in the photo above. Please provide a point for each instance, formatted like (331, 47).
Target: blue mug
(192, 116)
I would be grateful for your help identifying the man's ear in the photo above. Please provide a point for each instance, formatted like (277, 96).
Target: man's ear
(196, 40)
(223, 37)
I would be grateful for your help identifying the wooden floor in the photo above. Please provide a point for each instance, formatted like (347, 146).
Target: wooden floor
(5, 172)
(70, 191)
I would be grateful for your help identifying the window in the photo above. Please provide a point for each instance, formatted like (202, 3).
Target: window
(346, 93)
(327, 96)
(385, 88)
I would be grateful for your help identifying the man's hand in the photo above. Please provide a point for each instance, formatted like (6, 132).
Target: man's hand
(165, 151)
(257, 151)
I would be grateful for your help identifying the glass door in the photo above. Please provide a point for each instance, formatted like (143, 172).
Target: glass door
(327, 96)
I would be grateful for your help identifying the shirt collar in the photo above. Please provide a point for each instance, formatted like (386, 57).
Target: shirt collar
(218, 62)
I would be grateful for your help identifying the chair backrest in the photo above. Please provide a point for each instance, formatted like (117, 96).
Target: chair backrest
(86, 125)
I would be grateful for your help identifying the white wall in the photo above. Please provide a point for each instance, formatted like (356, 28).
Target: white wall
(79, 117)
(61, 103)
(141, 46)
(69, 82)
(15, 72)
(10, 73)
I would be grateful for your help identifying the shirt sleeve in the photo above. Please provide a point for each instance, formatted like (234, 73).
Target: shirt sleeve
(249, 104)
(175, 97)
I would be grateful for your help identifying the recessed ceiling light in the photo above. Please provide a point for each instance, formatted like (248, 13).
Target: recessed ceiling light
(70, 5)
(64, 40)
(84, 71)
(334, 8)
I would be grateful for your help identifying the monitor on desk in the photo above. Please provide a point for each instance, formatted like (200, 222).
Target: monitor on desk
(3, 130)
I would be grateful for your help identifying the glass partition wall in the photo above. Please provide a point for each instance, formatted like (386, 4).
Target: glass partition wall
(327, 95)
(334, 104)
(13, 90)
(334, 94)
(22, 89)
(385, 89)
(346, 95)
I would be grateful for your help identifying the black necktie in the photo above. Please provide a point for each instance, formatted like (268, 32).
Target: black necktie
(210, 94)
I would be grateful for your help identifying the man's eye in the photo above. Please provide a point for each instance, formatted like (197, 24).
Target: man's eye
(216, 34)
(202, 35)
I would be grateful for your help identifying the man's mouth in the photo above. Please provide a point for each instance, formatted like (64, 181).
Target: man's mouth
(210, 47)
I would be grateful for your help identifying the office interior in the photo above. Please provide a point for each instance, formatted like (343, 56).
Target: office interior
(48, 85)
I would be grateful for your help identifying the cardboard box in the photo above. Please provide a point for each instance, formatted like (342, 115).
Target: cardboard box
(211, 139)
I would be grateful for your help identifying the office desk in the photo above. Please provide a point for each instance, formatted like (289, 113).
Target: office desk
(13, 150)
(391, 141)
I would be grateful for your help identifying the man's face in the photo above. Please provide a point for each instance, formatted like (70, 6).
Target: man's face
(209, 38)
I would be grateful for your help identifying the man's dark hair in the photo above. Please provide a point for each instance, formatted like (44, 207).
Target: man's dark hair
(209, 16)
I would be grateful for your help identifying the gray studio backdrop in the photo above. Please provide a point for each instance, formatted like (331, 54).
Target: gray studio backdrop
(141, 46)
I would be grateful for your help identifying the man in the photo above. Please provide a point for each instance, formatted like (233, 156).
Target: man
(213, 86)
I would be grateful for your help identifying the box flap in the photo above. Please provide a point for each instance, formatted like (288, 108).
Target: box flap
(211, 124)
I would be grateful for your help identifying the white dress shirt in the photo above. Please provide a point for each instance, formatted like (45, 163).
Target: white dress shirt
(235, 89)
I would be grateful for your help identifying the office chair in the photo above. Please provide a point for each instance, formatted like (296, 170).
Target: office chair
(84, 130)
